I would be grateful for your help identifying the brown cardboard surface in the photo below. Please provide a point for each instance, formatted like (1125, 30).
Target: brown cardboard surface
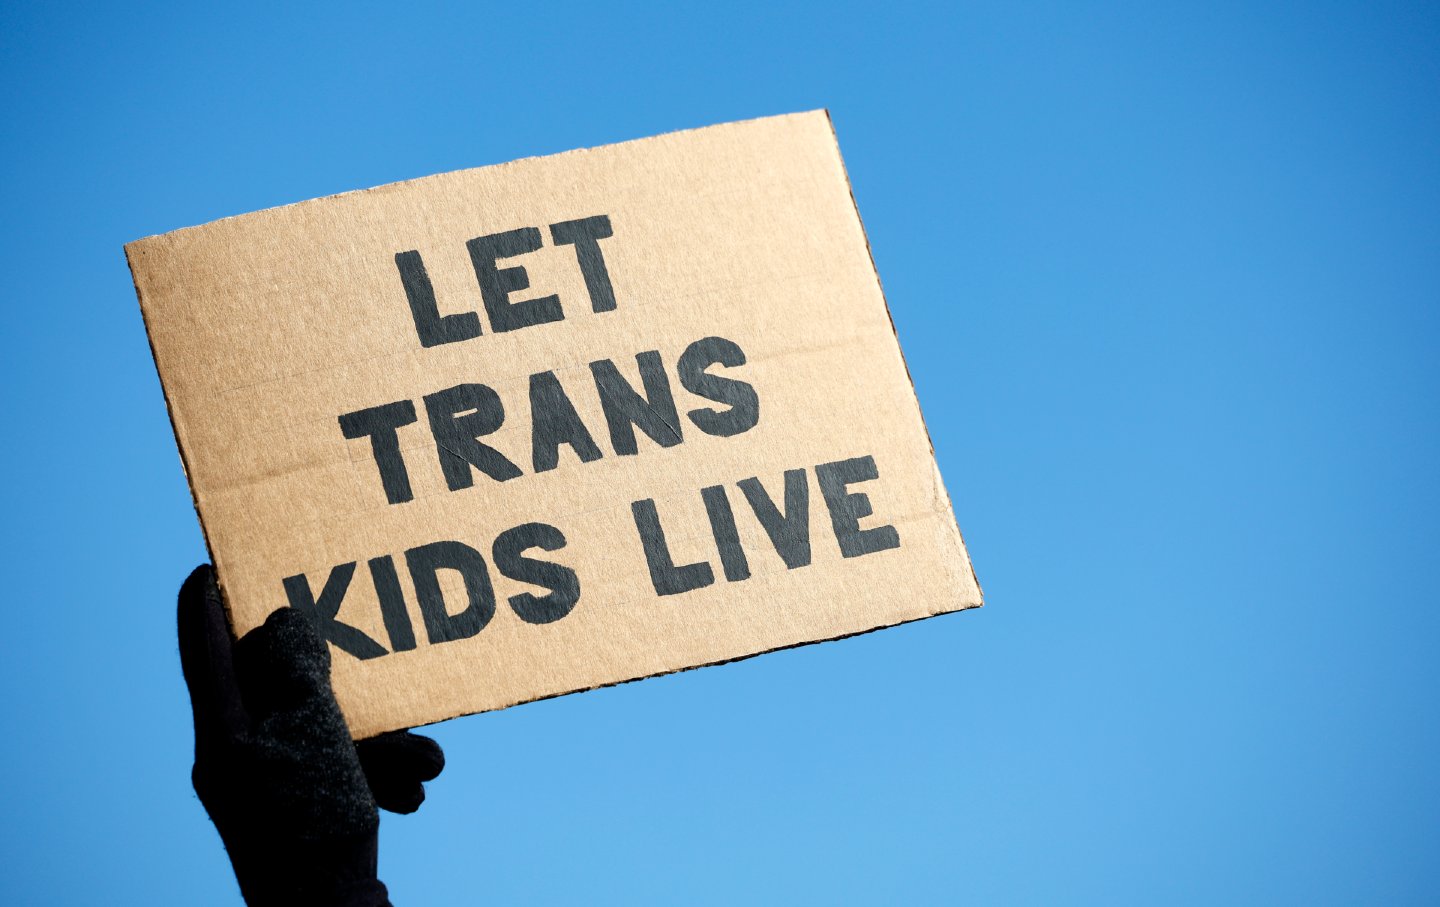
(268, 327)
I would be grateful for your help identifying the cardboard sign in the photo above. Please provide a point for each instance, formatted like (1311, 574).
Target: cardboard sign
(540, 427)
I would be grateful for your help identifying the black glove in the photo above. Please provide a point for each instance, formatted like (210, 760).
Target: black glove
(294, 799)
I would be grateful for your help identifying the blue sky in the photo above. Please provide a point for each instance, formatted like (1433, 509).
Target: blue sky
(1168, 282)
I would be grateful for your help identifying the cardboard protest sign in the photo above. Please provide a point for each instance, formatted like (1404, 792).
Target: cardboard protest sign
(539, 427)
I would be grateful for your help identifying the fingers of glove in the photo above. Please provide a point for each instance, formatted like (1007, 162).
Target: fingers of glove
(300, 747)
(395, 764)
(282, 665)
(401, 754)
(399, 796)
(207, 660)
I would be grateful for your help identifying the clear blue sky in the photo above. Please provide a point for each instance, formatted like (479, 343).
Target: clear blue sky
(1168, 280)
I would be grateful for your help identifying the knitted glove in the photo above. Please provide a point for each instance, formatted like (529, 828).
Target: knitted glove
(294, 799)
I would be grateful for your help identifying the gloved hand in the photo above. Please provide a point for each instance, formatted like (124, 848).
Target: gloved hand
(294, 799)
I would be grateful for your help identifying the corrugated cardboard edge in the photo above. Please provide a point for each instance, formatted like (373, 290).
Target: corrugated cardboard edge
(175, 426)
(934, 462)
(400, 184)
(179, 431)
(709, 664)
